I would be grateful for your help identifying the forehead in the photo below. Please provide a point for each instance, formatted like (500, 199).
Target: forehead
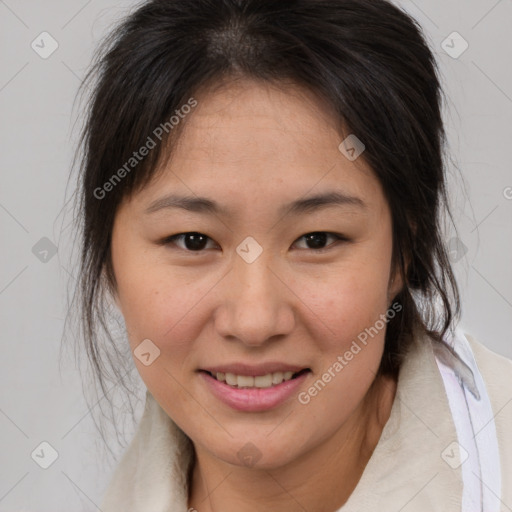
(249, 141)
(251, 121)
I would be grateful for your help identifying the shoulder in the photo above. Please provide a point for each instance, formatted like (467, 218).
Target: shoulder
(496, 371)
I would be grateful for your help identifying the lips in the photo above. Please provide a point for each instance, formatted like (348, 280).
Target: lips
(254, 370)
(254, 388)
(260, 381)
(261, 376)
(254, 398)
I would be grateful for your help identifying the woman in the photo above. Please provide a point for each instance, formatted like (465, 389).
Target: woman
(262, 197)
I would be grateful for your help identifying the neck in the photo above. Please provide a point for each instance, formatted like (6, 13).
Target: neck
(321, 480)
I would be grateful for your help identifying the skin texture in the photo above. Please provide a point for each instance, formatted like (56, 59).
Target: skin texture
(253, 148)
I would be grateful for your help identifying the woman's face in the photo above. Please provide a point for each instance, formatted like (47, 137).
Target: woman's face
(249, 292)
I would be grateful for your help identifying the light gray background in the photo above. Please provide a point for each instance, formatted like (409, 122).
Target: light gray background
(36, 100)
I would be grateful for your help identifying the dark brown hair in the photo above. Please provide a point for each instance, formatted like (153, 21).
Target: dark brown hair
(368, 59)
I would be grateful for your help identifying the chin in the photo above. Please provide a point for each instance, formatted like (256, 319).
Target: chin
(258, 451)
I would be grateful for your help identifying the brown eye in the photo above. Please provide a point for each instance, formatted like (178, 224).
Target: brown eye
(316, 240)
(193, 241)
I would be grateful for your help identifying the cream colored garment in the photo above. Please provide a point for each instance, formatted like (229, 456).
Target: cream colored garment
(406, 471)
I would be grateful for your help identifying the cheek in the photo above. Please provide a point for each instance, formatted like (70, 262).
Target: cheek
(166, 305)
(349, 339)
(155, 304)
(163, 308)
(350, 299)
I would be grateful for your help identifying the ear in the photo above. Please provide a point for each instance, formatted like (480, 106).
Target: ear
(395, 285)
(396, 281)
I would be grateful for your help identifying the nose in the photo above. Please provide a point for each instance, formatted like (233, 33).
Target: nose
(256, 305)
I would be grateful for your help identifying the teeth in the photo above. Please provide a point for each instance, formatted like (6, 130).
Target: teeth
(263, 381)
(246, 381)
(277, 377)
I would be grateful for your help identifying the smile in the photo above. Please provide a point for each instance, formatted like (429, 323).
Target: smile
(260, 381)
(262, 391)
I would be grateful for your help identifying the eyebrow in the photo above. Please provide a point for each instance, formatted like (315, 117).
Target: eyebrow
(300, 206)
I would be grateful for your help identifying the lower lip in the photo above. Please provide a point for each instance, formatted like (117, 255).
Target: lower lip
(253, 399)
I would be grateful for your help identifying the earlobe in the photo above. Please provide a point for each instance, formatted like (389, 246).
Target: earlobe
(398, 278)
(393, 290)
(396, 284)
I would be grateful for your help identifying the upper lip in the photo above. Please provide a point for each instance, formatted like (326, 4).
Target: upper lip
(254, 370)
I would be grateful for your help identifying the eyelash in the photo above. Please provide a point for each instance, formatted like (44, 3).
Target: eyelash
(170, 240)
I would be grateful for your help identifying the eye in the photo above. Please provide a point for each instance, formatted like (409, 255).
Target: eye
(196, 242)
(318, 240)
(192, 241)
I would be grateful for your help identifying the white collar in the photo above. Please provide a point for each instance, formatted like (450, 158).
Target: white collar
(405, 472)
